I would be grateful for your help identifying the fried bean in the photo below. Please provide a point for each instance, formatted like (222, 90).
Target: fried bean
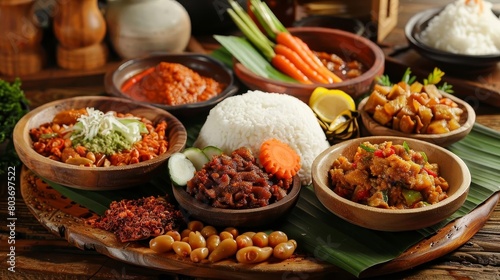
(196, 240)
(253, 254)
(212, 242)
(208, 231)
(233, 231)
(277, 237)
(175, 234)
(249, 233)
(161, 244)
(195, 225)
(181, 248)
(260, 239)
(225, 235)
(285, 250)
(199, 254)
(185, 233)
(243, 241)
(226, 249)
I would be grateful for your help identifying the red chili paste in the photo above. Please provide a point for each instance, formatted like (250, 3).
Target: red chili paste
(171, 84)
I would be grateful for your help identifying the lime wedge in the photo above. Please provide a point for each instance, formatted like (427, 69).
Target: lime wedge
(330, 103)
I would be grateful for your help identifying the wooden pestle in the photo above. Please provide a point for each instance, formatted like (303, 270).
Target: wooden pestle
(80, 28)
(20, 50)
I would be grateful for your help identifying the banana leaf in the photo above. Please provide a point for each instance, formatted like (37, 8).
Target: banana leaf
(327, 237)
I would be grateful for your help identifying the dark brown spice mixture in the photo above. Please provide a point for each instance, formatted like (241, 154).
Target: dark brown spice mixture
(136, 219)
(236, 181)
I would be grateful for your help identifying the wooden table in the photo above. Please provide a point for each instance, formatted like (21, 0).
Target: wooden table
(42, 255)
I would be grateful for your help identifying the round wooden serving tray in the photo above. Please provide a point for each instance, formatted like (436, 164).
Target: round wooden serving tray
(64, 218)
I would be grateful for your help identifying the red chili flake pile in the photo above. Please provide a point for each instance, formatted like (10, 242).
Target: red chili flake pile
(136, 219)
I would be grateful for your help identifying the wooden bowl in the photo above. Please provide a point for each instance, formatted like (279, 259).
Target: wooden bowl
(254, 217)
(202, 64)
(345, 44)
(466, 123)
(451, 167)
(95, 178)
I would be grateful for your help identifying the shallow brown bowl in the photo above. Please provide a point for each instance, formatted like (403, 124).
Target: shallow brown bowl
(95, 178)
(237, 217)
(202, 64)
(345, 44)
(451, 167)
(466, 123)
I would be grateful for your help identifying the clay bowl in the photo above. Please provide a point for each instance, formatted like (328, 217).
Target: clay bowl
(95, 178)
(202, 64)
(352, 25)
(419, 23)
(451, 167)
(254, 217)
(467, 122)
(345, 44)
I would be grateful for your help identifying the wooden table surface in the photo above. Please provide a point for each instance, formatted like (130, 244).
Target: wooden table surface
(41, 255)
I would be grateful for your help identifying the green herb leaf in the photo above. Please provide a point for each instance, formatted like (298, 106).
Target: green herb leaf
(407, 77)
(406, 146)
(384, 80)
(434, 78)
(424, 156)
(367, 148)
(13, 106)
(446, 87)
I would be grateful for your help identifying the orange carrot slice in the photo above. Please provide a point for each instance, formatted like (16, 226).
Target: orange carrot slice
(279, 159)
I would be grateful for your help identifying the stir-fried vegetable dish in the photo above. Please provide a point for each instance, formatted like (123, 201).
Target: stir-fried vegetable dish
(413, 107)
(388, 175)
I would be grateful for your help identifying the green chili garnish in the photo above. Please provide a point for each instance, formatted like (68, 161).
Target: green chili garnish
(48, 135)
(366, 148)
(406, 146)
(424, 156)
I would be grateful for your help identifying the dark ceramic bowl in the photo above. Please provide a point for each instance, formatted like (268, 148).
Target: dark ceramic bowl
(342, 23)
(345, 44)
(202, 64)
(419, 23)
(253, 217)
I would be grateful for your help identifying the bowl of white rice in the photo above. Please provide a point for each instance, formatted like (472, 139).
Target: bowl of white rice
(463, 33)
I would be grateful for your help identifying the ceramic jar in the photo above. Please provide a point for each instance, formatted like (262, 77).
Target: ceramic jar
(139, 27)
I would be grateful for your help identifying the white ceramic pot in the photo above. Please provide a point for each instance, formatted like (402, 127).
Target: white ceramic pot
(140, 27)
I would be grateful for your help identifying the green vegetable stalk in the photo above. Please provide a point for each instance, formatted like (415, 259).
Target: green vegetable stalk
(13, 106)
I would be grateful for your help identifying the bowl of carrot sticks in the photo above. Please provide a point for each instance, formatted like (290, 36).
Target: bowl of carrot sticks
(353, 59)
(296, 60)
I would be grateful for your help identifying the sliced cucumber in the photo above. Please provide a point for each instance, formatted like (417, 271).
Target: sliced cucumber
(211, 151)
(180, 168)
(196, 156)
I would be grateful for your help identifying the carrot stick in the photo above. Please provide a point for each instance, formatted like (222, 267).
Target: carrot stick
(299, 63)
(136, 78)
(284, 65)
(322, 69)
(279, 158)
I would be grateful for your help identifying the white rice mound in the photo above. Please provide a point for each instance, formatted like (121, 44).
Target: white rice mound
(463, 27)
(249, 119)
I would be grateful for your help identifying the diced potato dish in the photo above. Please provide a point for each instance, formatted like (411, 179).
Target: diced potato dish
(414, 108)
